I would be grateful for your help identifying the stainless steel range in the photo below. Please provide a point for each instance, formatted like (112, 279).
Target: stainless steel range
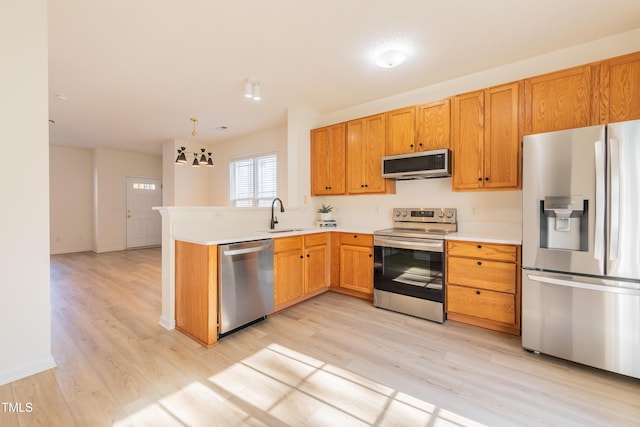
(409, 262)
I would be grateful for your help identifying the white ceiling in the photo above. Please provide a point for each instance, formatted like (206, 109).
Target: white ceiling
(135, 71)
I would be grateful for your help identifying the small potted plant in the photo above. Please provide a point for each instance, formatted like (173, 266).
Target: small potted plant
(325, 212)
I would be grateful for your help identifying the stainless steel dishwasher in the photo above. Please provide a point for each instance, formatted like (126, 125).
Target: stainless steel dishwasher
(246, 283)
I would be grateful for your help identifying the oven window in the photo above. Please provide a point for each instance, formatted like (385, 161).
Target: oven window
(409, 272)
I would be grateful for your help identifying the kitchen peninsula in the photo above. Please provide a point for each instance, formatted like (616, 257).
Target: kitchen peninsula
(200, 230)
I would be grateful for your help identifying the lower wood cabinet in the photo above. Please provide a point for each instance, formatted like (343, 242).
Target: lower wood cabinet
(483, 285)
(301, 268)
(356, 262)
(196, 285)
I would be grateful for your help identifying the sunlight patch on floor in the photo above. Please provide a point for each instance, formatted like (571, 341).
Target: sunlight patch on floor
(277, 385)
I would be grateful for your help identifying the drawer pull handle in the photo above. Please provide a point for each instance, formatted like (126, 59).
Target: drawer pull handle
(479, 263)
(477, 292)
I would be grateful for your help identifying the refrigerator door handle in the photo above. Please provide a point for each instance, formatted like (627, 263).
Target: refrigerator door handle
(598, 241)
(583, 285)
(614, 206)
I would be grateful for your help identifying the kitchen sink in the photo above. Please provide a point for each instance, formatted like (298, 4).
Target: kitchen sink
(283, 230)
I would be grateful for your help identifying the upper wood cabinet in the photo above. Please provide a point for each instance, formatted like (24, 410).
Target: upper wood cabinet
(433, 125)
(562, 100)
(328, 160)
(419, 128)
(620, 89)
(486, 138)
(401, 131)
(365, 149)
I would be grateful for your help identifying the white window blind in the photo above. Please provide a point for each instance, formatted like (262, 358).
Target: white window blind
(253, 181)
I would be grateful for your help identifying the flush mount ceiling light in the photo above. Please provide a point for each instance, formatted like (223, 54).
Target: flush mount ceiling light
(390, 58)
(205, 157)
(252, 89)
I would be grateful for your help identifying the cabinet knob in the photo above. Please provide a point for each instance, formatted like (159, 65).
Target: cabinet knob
(308, 255)
(355, 236)
(479, 263)
(479, 246)
(477, 292)
(370, 255)
(480, 179)
(486, 178)
(411, 145)
(301, 257)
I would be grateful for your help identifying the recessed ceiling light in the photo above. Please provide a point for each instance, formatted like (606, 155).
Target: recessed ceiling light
(222, 128)
(390, 58)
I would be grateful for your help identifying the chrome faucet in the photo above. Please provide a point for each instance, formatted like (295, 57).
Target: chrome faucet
(274, 219)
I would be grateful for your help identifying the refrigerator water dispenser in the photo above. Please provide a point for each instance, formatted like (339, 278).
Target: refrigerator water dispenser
(563, 223)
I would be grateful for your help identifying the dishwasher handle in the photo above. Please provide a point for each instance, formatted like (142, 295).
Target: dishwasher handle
(232, 252)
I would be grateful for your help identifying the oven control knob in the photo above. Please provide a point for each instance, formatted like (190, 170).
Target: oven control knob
(449, 214)
(404, 213)
(441, 214)
(397, 213)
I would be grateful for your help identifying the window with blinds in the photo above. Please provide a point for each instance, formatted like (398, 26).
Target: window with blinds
(253, 181)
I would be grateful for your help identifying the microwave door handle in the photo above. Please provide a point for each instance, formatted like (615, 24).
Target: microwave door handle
(598, 245)
(614, 221)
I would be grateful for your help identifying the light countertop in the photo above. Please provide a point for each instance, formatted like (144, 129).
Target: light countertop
(233, 236)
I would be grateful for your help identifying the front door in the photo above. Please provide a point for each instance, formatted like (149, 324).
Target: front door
(143, 224)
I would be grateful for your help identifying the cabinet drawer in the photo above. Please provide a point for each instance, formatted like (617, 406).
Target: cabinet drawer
(493, 251)
(356, 239)
(478, 273)
(316, 239)
(496, 306)
(288, 243)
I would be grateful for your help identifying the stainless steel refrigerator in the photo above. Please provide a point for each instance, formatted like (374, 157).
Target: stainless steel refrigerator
(581, 246)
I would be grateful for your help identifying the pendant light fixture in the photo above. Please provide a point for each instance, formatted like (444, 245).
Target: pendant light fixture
(205, 157)
(252, 89)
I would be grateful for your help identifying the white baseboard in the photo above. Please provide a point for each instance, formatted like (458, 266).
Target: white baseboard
(167, 323)
(27, 370)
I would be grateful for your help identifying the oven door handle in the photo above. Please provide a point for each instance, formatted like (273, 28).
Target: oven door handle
(403, 244)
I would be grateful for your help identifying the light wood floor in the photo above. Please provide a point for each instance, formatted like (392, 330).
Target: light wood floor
(331, 361)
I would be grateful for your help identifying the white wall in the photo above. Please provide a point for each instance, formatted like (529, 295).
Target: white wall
(25, 337)
(111, 167)
(70, 199)
(265, 142)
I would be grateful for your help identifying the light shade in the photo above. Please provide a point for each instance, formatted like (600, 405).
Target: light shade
(248, 89)
(256, 92)
(390, 58)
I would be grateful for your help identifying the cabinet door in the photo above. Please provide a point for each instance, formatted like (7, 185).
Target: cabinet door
(562, 100)
(365, 149)
(401, 125)
(355, 156)
(288, 276)
(433, 125)
(356, 268)
(620, 89)
(374, 149)
(502, 136)
(468, 140)
(316, 268)
(328, 160)
(196, 288)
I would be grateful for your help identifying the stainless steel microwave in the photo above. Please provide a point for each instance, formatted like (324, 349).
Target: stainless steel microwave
(422, 165)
